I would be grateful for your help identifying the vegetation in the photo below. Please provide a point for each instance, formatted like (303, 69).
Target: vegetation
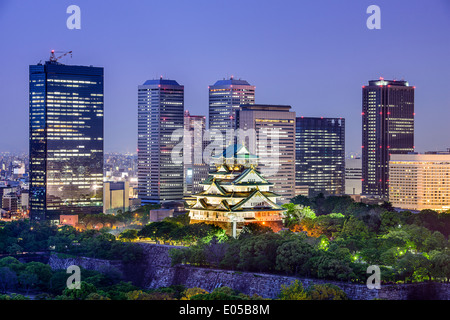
(331, 238)
(138, 217)
(23, 236)
(177, 231)
(335, 238)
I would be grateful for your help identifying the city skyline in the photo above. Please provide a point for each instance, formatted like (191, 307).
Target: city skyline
(287, 64)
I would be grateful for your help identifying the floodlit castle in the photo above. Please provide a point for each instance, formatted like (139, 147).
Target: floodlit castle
(235, 194)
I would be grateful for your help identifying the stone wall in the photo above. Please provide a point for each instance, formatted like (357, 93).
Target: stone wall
(155, 271)
(60, 261)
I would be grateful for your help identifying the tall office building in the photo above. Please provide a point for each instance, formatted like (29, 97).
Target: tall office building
(271, 136)
(420, 181)
(353, 176)
(225, 97)
(387, 128)
(320, 155)
(160, 130)
(66, 140)
(195, 168)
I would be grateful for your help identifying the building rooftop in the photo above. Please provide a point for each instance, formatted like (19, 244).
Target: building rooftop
(161, 81)
(382, 82)
(231, 81)
(265, 107)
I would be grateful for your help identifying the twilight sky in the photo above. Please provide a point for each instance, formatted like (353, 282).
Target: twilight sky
(312, 55)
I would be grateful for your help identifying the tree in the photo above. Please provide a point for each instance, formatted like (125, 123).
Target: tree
(42, 271)
(119, 290)
(27, 281)
(14, 249)
(11, 263)
(221, 293)
(79, 294)
(326, 291)
(177, 256)
(353, 227)
(329, 267)
(294, 291)
(295, 213)
(254, 229)
(293, 257)
(189, 293)
(96, 296)
(440, 265)
(158, 230)
(302, 200)
(231, 257)
(435, 241)
(406, 266)
(181, 220)
(8, 279)
(128, 235)
(215, 252)
(58, 282)
(258, 253)
(389, 220)
(141, 295)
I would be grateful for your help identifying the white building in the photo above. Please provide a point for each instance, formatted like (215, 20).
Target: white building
(420, 181)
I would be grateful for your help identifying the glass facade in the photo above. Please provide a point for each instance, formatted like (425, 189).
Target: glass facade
(274, 143)
(387, 128)
(320, 155)
(225, 97)
(195, 168)
(66, 140)
(160, 113)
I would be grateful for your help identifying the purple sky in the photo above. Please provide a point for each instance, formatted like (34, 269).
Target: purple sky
(312, 55)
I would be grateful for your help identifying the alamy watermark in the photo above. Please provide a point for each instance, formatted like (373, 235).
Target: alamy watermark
(374, 281)
(374, 21)
(73, 281)
(208, 145)
(74, 20)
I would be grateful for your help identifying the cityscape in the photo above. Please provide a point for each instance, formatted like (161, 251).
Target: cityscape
(249, 195)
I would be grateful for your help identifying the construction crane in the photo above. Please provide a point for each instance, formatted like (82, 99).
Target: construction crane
(54, 59)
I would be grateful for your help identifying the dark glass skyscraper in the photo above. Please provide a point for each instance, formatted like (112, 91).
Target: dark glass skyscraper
(160, 129)
(387, 128)
(66, 140)
(320, 155)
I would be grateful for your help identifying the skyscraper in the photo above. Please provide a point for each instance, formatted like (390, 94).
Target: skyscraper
(271, 136)
(320, 155)
(225, 97)
(387, 128)
(160, 130)
(353, 176)
(195, 168)
(66, 140)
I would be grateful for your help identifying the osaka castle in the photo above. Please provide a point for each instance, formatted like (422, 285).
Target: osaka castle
(235, 194)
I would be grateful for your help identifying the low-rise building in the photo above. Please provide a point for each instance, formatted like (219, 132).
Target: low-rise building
(420, 181)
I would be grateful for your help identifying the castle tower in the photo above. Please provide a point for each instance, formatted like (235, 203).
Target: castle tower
(236, 194)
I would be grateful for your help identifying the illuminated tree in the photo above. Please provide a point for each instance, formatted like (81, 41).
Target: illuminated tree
(294, 291)
(189, 293)
(128, 235)
(326, 292)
